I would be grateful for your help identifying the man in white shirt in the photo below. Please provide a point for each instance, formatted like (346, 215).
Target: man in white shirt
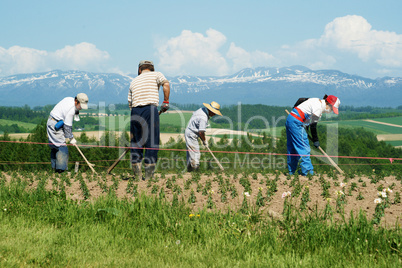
(196, 128)
(306, 113)
(60, 128)
(143, 100)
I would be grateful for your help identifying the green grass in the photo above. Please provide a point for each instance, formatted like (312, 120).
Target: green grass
(29, 126)
(43, 228)
(175, 119)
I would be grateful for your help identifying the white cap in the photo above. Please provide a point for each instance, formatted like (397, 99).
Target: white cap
(83, 99)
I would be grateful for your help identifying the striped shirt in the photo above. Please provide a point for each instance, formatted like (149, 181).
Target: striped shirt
(144, 89)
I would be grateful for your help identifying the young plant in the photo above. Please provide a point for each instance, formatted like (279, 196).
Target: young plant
(155, 189)
(340, 201)
(260, 202)
(210, 202)
(192, 199)
(162, 194)
(244, 205)
(305, 198)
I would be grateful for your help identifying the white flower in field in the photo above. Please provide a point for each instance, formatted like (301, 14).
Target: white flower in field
(387, 190)
(377, 201)
(343, 184)
(246, 194)
(382, 194)
(286, 194)
(178, 242)
(5, 209)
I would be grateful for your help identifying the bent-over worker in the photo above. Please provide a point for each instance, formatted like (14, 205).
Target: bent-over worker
(196, 129)
(60, 128)
(306, 113)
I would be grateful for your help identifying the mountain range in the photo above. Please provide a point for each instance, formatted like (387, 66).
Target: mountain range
(262, 85)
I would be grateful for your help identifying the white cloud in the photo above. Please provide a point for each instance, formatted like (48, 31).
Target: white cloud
(348, 43)
(355, 34)
(80, 56)
(195, 53)
(83, 56)
(242, 59)
(191, 53)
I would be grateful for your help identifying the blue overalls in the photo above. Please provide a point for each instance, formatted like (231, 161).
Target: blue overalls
(297, 143)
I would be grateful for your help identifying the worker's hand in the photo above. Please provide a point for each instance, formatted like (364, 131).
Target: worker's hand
(165, 106)
(205, 143)
(73, 141)
(317, 144)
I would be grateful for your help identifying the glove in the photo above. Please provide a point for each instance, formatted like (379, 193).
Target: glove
(317, 144)
(165, 106)
(73, 141)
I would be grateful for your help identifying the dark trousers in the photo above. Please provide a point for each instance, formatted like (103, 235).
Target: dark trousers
(145, 134)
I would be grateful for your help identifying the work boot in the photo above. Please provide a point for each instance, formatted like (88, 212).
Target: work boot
(137, 170)
(189, 167)
(149, 171)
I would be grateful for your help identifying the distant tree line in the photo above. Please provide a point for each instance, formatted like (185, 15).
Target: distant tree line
(25, 113)
(13, 128)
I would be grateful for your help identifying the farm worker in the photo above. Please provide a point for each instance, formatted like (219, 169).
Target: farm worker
(306, 113)
(60, 128)
(196, 129)
(143, 100)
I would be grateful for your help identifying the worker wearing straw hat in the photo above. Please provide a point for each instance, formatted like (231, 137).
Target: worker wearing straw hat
(196, 129)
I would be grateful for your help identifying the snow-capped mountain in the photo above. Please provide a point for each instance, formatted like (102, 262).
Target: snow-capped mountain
(271, 86)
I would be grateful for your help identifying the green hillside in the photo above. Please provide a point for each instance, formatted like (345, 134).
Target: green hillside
(12, 126)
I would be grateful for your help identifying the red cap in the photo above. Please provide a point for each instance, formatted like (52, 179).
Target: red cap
(334, 101)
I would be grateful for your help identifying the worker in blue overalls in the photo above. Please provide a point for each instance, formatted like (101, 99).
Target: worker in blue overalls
(306, 113)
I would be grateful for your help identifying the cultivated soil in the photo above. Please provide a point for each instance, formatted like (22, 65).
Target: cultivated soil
(360, 197)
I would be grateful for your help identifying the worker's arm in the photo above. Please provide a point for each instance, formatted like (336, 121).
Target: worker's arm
(166, 91)
(313, 130)
(201, 134)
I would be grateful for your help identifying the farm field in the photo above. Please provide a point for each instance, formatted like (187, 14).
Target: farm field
(207, 220)
(371, 126)
(28, 126)
(391, 120)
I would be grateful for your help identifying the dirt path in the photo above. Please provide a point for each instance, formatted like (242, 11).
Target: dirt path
(389, 137)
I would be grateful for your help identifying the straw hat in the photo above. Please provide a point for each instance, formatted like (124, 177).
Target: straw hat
(213, 107)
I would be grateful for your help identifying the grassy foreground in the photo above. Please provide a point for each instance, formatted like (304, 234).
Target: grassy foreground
(44, 228)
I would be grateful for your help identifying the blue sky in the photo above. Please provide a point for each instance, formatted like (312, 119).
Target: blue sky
(201, 37)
